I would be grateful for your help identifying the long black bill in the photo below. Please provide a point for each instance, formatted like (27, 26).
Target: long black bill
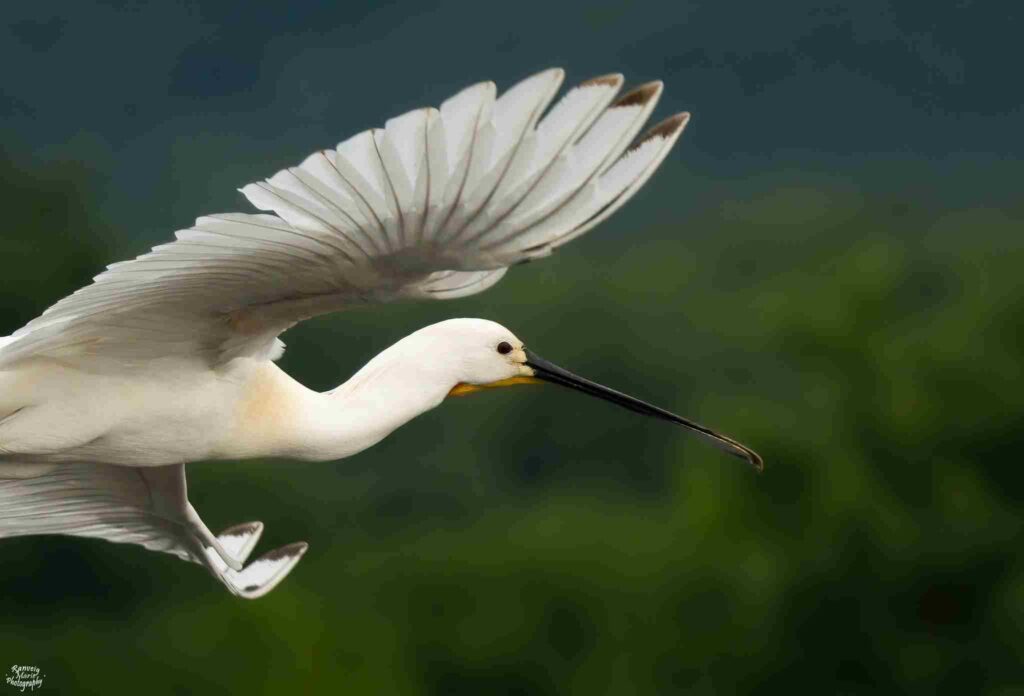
(548, 372)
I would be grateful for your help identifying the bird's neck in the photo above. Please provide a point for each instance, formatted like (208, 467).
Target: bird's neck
(283, 418)
(385, 394)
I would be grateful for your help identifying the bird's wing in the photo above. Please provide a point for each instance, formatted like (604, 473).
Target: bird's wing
(137, 505)
(437, 204)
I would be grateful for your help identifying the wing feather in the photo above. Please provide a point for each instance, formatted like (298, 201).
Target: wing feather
(542, 147)
(436, 204)
(455, 137)
(403, 151)
(358, 162)
(509, 130)
(137, 505)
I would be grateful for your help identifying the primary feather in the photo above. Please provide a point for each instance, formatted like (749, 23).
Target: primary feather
(437, 204)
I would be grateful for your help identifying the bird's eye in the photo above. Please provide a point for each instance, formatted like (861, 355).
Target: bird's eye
(504, 348)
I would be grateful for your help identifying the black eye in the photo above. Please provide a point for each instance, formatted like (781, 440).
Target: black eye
(504, 348)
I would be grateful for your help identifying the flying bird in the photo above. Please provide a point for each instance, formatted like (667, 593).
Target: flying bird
(169, 358)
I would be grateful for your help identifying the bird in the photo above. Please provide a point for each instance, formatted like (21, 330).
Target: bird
(169, 358)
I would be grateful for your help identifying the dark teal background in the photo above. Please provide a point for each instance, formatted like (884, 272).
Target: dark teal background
(827, 267)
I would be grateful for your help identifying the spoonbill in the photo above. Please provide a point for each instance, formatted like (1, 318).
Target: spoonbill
(169, 358)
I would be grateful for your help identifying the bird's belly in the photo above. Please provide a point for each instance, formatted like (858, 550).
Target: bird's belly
(142, 441)
(69, 417)
(129, 440)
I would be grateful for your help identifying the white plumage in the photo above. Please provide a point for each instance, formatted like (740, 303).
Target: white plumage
(166, 359)
(436, 204)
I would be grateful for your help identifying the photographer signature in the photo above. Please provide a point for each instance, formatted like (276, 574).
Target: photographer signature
(25, 677)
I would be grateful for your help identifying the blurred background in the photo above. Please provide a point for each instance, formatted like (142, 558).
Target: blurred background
(827, 267)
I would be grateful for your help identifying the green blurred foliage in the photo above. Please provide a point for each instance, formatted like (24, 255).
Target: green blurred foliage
(533, 542)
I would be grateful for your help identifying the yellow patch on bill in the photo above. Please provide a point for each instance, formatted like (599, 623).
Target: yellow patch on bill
(462, 389)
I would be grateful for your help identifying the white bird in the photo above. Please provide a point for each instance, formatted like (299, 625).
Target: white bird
(169, 358)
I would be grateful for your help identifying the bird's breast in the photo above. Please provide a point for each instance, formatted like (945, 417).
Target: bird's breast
(269, 414)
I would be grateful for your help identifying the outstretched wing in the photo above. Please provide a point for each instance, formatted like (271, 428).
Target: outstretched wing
(437, 204)
(147, 506)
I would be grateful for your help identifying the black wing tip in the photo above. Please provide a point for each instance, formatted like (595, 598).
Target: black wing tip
(669, 127)
(243, 529)
(296, 549)
(609, 80)
(638, 96)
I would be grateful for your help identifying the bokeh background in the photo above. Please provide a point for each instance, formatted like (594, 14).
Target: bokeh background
(828, 267)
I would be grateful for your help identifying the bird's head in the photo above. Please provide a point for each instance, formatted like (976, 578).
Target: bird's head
(478, 354)
(485, 355)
